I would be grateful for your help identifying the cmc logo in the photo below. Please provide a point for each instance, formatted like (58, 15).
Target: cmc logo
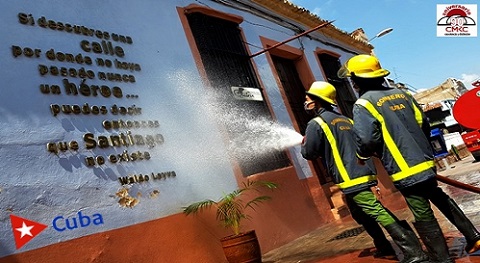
(456, 20)
(456, 29)
(61, 224)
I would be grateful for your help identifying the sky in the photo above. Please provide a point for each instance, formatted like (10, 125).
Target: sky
(412, 52)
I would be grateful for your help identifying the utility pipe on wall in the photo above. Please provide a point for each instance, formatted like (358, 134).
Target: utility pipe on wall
(292, 38)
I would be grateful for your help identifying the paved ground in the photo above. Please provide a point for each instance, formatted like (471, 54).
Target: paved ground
(321, 246)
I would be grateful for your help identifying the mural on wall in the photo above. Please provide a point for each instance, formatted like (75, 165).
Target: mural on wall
(92, 138)
(106, 122)
(90, 141)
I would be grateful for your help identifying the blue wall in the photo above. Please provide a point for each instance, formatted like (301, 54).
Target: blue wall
(40, 185)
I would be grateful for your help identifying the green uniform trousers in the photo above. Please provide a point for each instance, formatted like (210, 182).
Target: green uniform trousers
(418, 199)
(369, 203)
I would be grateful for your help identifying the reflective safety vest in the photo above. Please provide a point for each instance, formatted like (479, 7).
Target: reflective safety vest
(348, 182)
(405, 170)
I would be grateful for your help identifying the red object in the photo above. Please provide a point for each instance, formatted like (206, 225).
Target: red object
(25, 230)
(472, 141)
(476, 83)
(243, 247)
(465, 110)
(458, 184)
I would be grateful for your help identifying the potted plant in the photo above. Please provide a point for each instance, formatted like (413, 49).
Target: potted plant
(230, 211)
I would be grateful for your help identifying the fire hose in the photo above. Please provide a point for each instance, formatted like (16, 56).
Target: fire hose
(458, 184)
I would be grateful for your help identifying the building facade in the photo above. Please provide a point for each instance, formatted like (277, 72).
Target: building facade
(116, 114)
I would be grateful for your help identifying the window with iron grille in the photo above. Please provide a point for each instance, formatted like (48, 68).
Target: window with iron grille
(227, 64)
(345, 96)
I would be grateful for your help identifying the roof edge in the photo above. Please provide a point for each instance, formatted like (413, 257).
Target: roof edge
(305, 17)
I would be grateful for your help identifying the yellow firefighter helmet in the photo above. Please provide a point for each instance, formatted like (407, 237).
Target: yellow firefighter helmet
(363, 66)
(324, 91)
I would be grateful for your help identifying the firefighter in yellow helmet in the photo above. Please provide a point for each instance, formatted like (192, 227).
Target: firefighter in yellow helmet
(329, 136)
(390, 124)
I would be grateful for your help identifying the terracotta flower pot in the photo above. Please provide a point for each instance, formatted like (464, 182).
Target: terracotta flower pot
(242, 248)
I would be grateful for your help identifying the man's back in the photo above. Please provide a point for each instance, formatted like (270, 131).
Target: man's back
(388, 122)
(330, 134)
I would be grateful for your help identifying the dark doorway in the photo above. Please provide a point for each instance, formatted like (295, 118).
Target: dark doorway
(295, 93)
(345, 96)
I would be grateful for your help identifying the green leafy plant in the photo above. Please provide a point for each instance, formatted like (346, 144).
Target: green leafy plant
(230, 209)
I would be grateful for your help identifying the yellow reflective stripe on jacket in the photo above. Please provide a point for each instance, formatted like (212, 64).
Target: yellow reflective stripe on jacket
(347, 182)
(418, 114)
(413, 170)
(389, 142)
(356, 181)
(405, 170)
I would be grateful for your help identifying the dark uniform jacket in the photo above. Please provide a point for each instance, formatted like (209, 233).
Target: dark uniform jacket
(330, 137)
(390, 124)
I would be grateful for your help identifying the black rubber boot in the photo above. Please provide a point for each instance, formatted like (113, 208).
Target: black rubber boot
(388, 253)
(407, 241)
(456, 216)
(383, 247)
(433, 239)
